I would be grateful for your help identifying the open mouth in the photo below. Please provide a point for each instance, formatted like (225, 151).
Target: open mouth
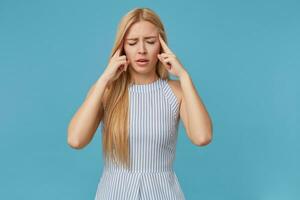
(142, 62)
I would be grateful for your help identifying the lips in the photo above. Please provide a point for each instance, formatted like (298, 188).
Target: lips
(142, 60)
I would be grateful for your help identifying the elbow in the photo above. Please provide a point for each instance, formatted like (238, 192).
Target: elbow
(73, 142)
(203, 141)
(205, 137)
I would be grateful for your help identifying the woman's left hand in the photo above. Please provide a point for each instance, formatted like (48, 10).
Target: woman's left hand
(169, 60)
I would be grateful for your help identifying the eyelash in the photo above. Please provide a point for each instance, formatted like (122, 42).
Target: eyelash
(147, 42)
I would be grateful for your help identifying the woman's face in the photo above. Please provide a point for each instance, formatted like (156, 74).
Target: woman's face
(142, 42)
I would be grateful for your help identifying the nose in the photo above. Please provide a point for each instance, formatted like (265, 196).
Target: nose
(142, 48)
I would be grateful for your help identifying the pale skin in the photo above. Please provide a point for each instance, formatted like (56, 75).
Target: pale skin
(195, 118)
(142, 41)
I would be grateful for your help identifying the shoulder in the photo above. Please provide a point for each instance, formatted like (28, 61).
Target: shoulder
(176, 88)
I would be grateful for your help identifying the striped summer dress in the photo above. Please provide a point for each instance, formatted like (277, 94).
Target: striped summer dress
(154, 117)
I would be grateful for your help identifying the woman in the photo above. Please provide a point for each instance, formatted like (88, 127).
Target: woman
(140, 107)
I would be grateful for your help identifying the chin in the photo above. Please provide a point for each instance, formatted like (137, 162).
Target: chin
(142, 68)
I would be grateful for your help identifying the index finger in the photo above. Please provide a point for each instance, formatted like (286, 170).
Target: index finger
(164, 45)
(118, 52)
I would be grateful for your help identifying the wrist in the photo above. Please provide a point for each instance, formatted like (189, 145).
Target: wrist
(183, 75)
(103, 80)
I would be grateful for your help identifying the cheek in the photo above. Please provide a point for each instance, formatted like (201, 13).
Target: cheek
(129, 52)
(155, 50)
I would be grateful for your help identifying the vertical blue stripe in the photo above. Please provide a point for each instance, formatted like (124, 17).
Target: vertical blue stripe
(154, 118)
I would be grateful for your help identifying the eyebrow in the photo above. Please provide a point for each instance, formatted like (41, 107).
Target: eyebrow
(148, 37)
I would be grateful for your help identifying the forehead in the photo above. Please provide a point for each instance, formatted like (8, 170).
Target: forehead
(142, 29)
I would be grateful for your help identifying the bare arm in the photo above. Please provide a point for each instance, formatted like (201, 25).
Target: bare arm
(86, 120)
(195, 117)
(194, 113)
(88, 117)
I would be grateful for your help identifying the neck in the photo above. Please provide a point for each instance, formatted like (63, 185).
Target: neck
(143, 78)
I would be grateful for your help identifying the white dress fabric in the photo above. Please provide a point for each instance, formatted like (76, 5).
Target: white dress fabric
(154, 118)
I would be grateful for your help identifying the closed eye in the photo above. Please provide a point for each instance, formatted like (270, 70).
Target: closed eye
(131, 44)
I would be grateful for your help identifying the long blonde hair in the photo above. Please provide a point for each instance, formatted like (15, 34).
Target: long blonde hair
(115, 136)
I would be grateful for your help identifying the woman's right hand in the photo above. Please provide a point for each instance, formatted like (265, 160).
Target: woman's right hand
(116, 66)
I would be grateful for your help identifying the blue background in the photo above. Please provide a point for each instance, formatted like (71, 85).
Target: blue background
(243, 58)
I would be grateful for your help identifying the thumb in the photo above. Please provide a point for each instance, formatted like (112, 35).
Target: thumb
(163, 62)
(161, 59)
(126, 65)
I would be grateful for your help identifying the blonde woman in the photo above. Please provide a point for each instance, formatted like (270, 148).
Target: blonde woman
(140, 107)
